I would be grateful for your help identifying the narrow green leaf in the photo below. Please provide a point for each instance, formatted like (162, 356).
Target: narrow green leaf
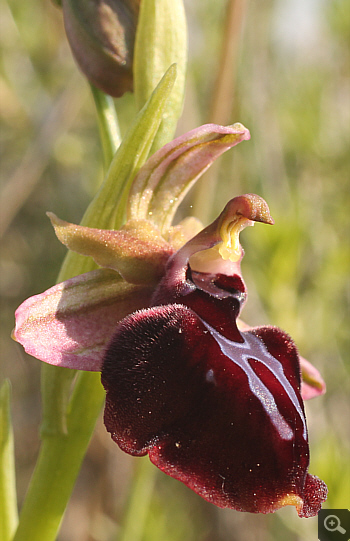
(161, 40)
(8, 499)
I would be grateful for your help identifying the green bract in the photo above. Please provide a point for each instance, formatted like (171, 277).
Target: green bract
(161, 22)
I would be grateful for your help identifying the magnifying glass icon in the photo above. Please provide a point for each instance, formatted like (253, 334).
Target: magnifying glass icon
(332, 524)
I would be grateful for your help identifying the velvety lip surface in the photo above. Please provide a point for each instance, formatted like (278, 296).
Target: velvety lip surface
(217, 409)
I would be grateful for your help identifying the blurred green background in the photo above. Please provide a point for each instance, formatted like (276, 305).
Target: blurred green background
(287, 80)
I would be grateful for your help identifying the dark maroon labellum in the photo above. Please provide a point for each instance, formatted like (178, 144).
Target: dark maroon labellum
(217, 409)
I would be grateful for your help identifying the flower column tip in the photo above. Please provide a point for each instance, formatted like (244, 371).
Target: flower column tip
(240, 212)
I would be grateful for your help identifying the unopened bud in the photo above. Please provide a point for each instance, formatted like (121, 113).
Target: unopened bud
(101, 34)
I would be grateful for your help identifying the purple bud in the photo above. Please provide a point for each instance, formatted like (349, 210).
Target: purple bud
(101, 34)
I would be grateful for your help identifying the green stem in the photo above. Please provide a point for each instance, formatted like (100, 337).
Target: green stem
(59, 462)
(68, 418)
(107, 123)
(8, 499)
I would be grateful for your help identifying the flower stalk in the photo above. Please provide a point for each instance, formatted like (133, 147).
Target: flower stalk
(59, 463)
(108, 124)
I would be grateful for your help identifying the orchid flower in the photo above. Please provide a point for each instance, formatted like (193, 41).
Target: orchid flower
(215, 403)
